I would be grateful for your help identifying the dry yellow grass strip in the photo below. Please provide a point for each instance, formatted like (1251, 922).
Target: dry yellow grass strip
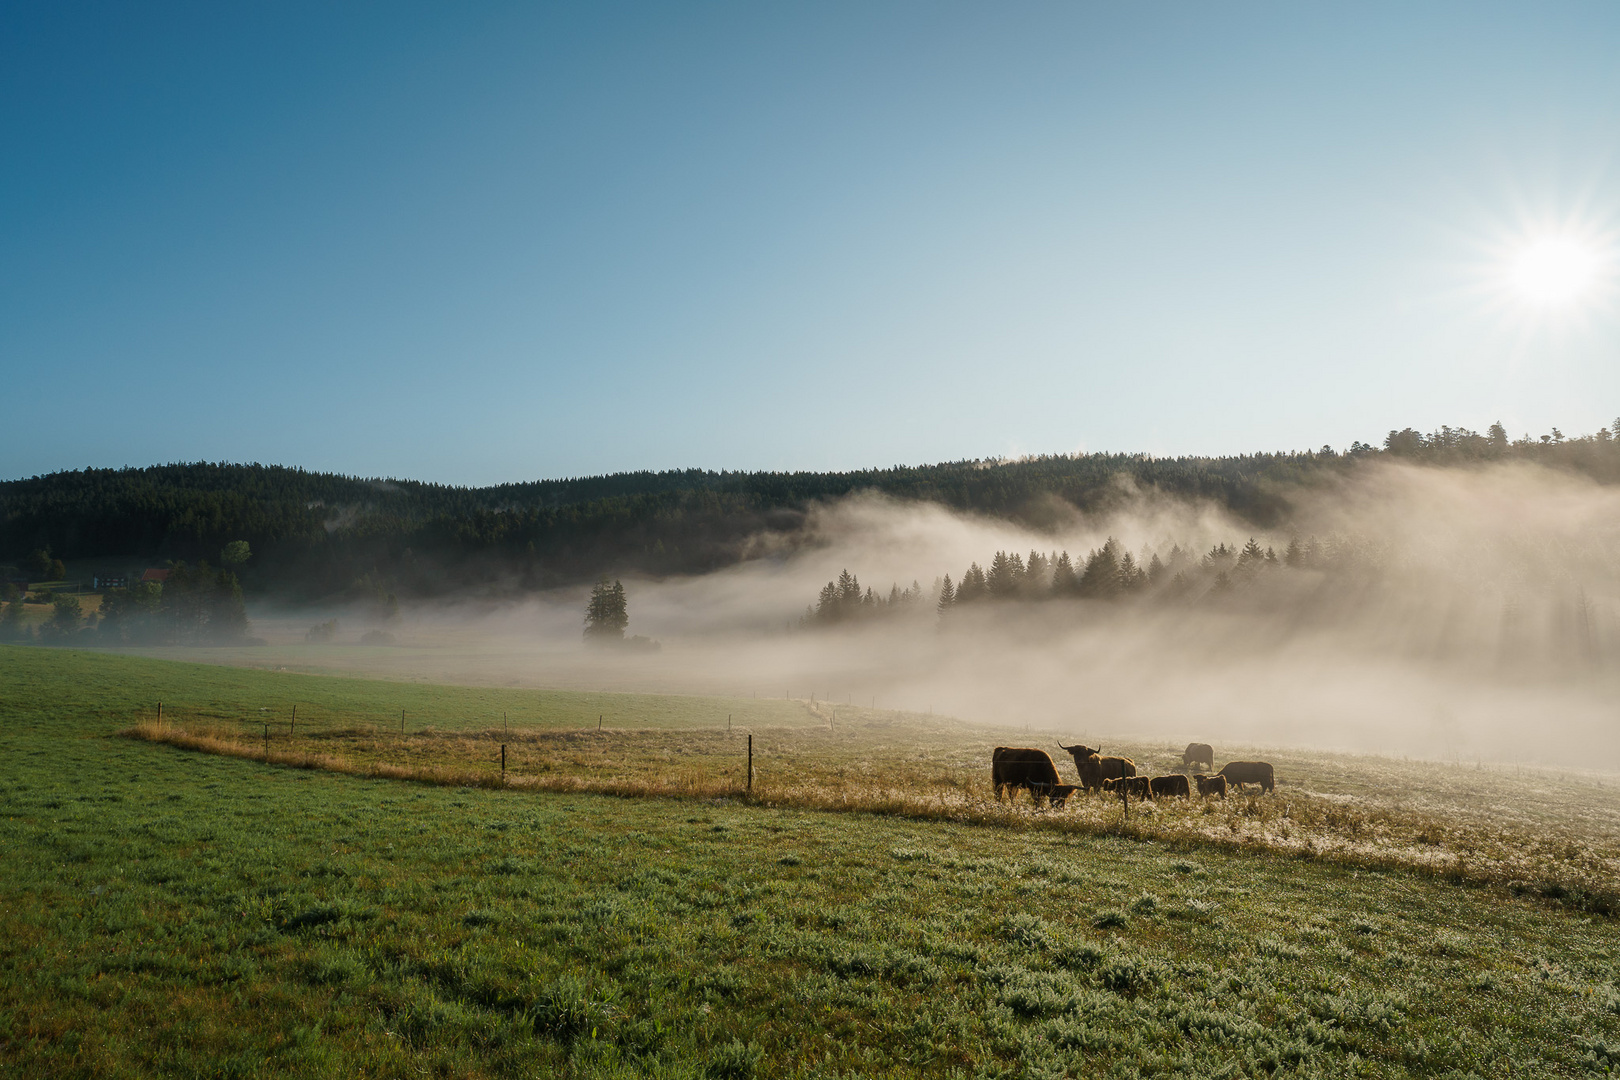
(1297, 824)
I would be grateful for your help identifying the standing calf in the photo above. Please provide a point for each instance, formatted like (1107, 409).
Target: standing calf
(1163, 787)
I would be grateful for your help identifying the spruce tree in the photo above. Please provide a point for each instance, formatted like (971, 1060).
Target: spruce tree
(1100, 579)
(606, 615)
(972, 586)
(827, 604)
(1064, 582)
(947, 596)
(849, 594)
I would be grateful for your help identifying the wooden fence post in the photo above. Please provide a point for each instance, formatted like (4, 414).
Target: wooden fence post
(750, 763)
(402, 721)
(503, 763)
(292, 728)
(267, 742)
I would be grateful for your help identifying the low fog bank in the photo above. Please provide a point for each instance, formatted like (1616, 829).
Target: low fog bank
(1455, 614)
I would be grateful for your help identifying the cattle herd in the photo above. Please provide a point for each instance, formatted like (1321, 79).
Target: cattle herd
(1015, 767)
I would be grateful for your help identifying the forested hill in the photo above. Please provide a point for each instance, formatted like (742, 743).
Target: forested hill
(321, 535)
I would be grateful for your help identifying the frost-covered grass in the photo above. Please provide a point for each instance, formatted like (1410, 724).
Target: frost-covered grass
(191, 914)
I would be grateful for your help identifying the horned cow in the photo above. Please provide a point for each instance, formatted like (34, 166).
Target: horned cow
(1164, 787)
(1238, 773)
(1197, 753)
(1094, 768)
(1014, 767)
(1211, 785)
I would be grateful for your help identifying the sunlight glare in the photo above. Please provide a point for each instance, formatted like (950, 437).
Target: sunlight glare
(1554, 271)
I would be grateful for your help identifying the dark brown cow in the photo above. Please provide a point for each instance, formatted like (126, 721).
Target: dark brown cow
(1137, 787)
(1060, 794)
(1211, 785)
(1197, 752)
(1094, 768)
(1164, 787)
(1014, 767)
(1238, 773)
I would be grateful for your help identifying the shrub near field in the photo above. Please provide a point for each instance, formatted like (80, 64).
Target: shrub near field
(185, 914)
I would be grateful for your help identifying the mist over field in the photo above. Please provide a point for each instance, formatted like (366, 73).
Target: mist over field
(1455, 614)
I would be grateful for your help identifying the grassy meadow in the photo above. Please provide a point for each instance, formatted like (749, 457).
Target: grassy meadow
(392, 909)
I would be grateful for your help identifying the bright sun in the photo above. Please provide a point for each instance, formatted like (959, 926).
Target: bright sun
(1554, 271)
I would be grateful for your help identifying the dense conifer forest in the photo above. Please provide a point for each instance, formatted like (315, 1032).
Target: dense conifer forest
(323, 536)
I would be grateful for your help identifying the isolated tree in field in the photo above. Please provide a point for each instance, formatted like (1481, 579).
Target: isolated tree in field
(132, 614)
(11, 622)
(66, 617)
(606, 615)
(235, 554)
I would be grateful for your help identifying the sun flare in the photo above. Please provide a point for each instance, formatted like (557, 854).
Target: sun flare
(1555, 271)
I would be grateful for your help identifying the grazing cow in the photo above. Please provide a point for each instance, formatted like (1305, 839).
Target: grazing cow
(1136, 787)
(1060, 794)
(1094, 768)
(1211, 785)
(1238, 773)
(1163, 787)
(1197, 752)
(1014, 767)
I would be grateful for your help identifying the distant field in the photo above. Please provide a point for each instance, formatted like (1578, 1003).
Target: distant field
(1534, 830)
(178, 913)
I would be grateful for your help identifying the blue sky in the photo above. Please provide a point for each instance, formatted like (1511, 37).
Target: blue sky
(479, 243)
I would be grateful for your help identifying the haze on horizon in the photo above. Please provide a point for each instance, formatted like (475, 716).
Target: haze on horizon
(484, 245)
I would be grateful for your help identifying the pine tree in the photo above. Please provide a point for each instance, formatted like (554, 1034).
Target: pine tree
(827, 607)
(1130, 575)
(1006, 575)
(1295, 555)
(947, 597)
(1064, 582)
(1100, 579)
(1037, 582)
(849, 594)
(606, 615)
(972, 586)
(1155, 571)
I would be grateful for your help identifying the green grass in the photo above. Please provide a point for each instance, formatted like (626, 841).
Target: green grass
(173, 913)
